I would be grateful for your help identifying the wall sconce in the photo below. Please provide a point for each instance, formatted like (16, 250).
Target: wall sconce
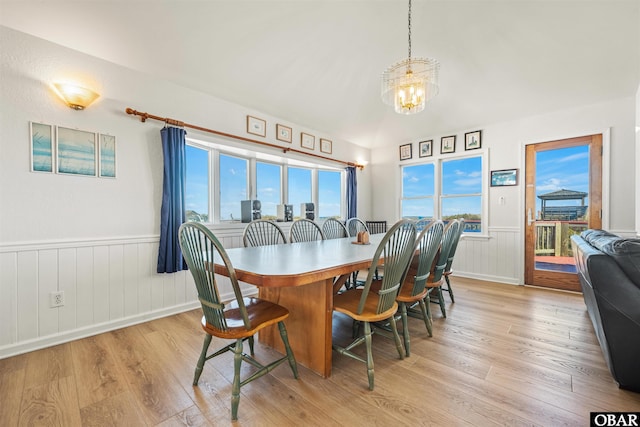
(74, 96)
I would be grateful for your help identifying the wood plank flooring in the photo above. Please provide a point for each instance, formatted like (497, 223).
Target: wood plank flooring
(505, 355)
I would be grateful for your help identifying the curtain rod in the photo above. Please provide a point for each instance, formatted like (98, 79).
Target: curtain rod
(145, 116)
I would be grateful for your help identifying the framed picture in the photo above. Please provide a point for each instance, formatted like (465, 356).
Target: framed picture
(504, 177)
(448, 144)
(307, 141)
(42, 157)
(283, 133)
(472, 140)
(405, 152)
(256, 126)
(425, 148)
(325, 146)
(76, 152)
(107, 156)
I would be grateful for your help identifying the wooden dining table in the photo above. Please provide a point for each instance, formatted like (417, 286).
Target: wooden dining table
(300, 277)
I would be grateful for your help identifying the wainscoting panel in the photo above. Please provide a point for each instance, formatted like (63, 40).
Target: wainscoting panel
(107, 284)
(496, 257)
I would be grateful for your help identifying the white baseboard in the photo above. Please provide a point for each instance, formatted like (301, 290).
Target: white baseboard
(488, 278)
(55, 339)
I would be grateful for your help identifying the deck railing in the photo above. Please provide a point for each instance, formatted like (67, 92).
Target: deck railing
(553, 237)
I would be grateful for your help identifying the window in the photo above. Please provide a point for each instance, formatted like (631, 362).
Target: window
(217, 181)
(447, 189)
(417, 191)
(268, 188)
(233, 186)
(462, 192)
(197, 184)
(329, 194)
(299, 185)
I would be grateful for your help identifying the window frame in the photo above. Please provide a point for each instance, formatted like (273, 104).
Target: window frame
(215, 148)
(438, 196)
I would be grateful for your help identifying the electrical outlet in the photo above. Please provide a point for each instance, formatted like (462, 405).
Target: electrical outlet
(56, 299)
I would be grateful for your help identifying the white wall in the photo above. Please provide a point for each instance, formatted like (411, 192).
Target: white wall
(94, 238)
(499, 256)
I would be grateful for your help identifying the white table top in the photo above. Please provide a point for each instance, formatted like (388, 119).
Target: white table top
(297, 264)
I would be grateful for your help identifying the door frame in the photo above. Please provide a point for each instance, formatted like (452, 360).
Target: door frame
(606, 174)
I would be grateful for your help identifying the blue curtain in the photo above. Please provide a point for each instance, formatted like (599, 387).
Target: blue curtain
(352, 193)
(172, 214)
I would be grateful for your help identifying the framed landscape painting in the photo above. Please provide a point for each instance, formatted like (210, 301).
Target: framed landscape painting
(42, 152)
(505, 177)
(107, 156)
(76, 151)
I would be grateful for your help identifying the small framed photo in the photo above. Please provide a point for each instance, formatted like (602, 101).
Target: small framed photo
(283, 133)
(473, 140)
(256, 126)
(325, 146)
(307, 141)
(504, 177)
(426, 149)
(42, 148)
(405, 152)
(448, 144)
(107, 156)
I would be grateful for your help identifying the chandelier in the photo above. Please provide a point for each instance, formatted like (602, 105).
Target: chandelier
(407, 85)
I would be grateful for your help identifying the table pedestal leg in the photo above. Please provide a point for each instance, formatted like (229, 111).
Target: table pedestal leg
(308, 325)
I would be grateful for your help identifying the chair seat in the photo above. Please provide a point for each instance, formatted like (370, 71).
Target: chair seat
(404, 295)
(261, 314)
(436, 284)
(347, 303)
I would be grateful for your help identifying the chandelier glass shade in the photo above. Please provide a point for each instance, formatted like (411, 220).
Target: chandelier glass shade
(408, 85)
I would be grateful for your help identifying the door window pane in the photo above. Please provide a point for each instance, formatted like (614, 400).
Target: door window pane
(197, 184)
(329, 194)
(299, 186)
(233, 186)
(268, 188)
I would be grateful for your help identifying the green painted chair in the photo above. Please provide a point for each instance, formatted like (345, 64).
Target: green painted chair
(413, 290)
(238, 320)
(436, 277)
(355, 225)
(366, 306)
(305, 230)
(447, 269)
(262, 232)
(334, 229)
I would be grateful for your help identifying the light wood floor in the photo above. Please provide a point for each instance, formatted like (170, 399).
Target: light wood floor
(506, 355)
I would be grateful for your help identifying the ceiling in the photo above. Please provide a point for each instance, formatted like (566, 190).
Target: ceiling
(318, 63)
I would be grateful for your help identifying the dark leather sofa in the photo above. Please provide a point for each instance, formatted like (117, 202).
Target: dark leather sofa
(609, 271)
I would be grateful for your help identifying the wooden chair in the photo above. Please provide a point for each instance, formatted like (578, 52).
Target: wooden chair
(334, 229)
(447, 270)
(413, 290)
(305, 230)
(238, 320)
(367, 306)
(355, 225)
(436, 277)
(262, 232)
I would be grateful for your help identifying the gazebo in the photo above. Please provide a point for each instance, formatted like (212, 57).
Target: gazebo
(563, 213)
